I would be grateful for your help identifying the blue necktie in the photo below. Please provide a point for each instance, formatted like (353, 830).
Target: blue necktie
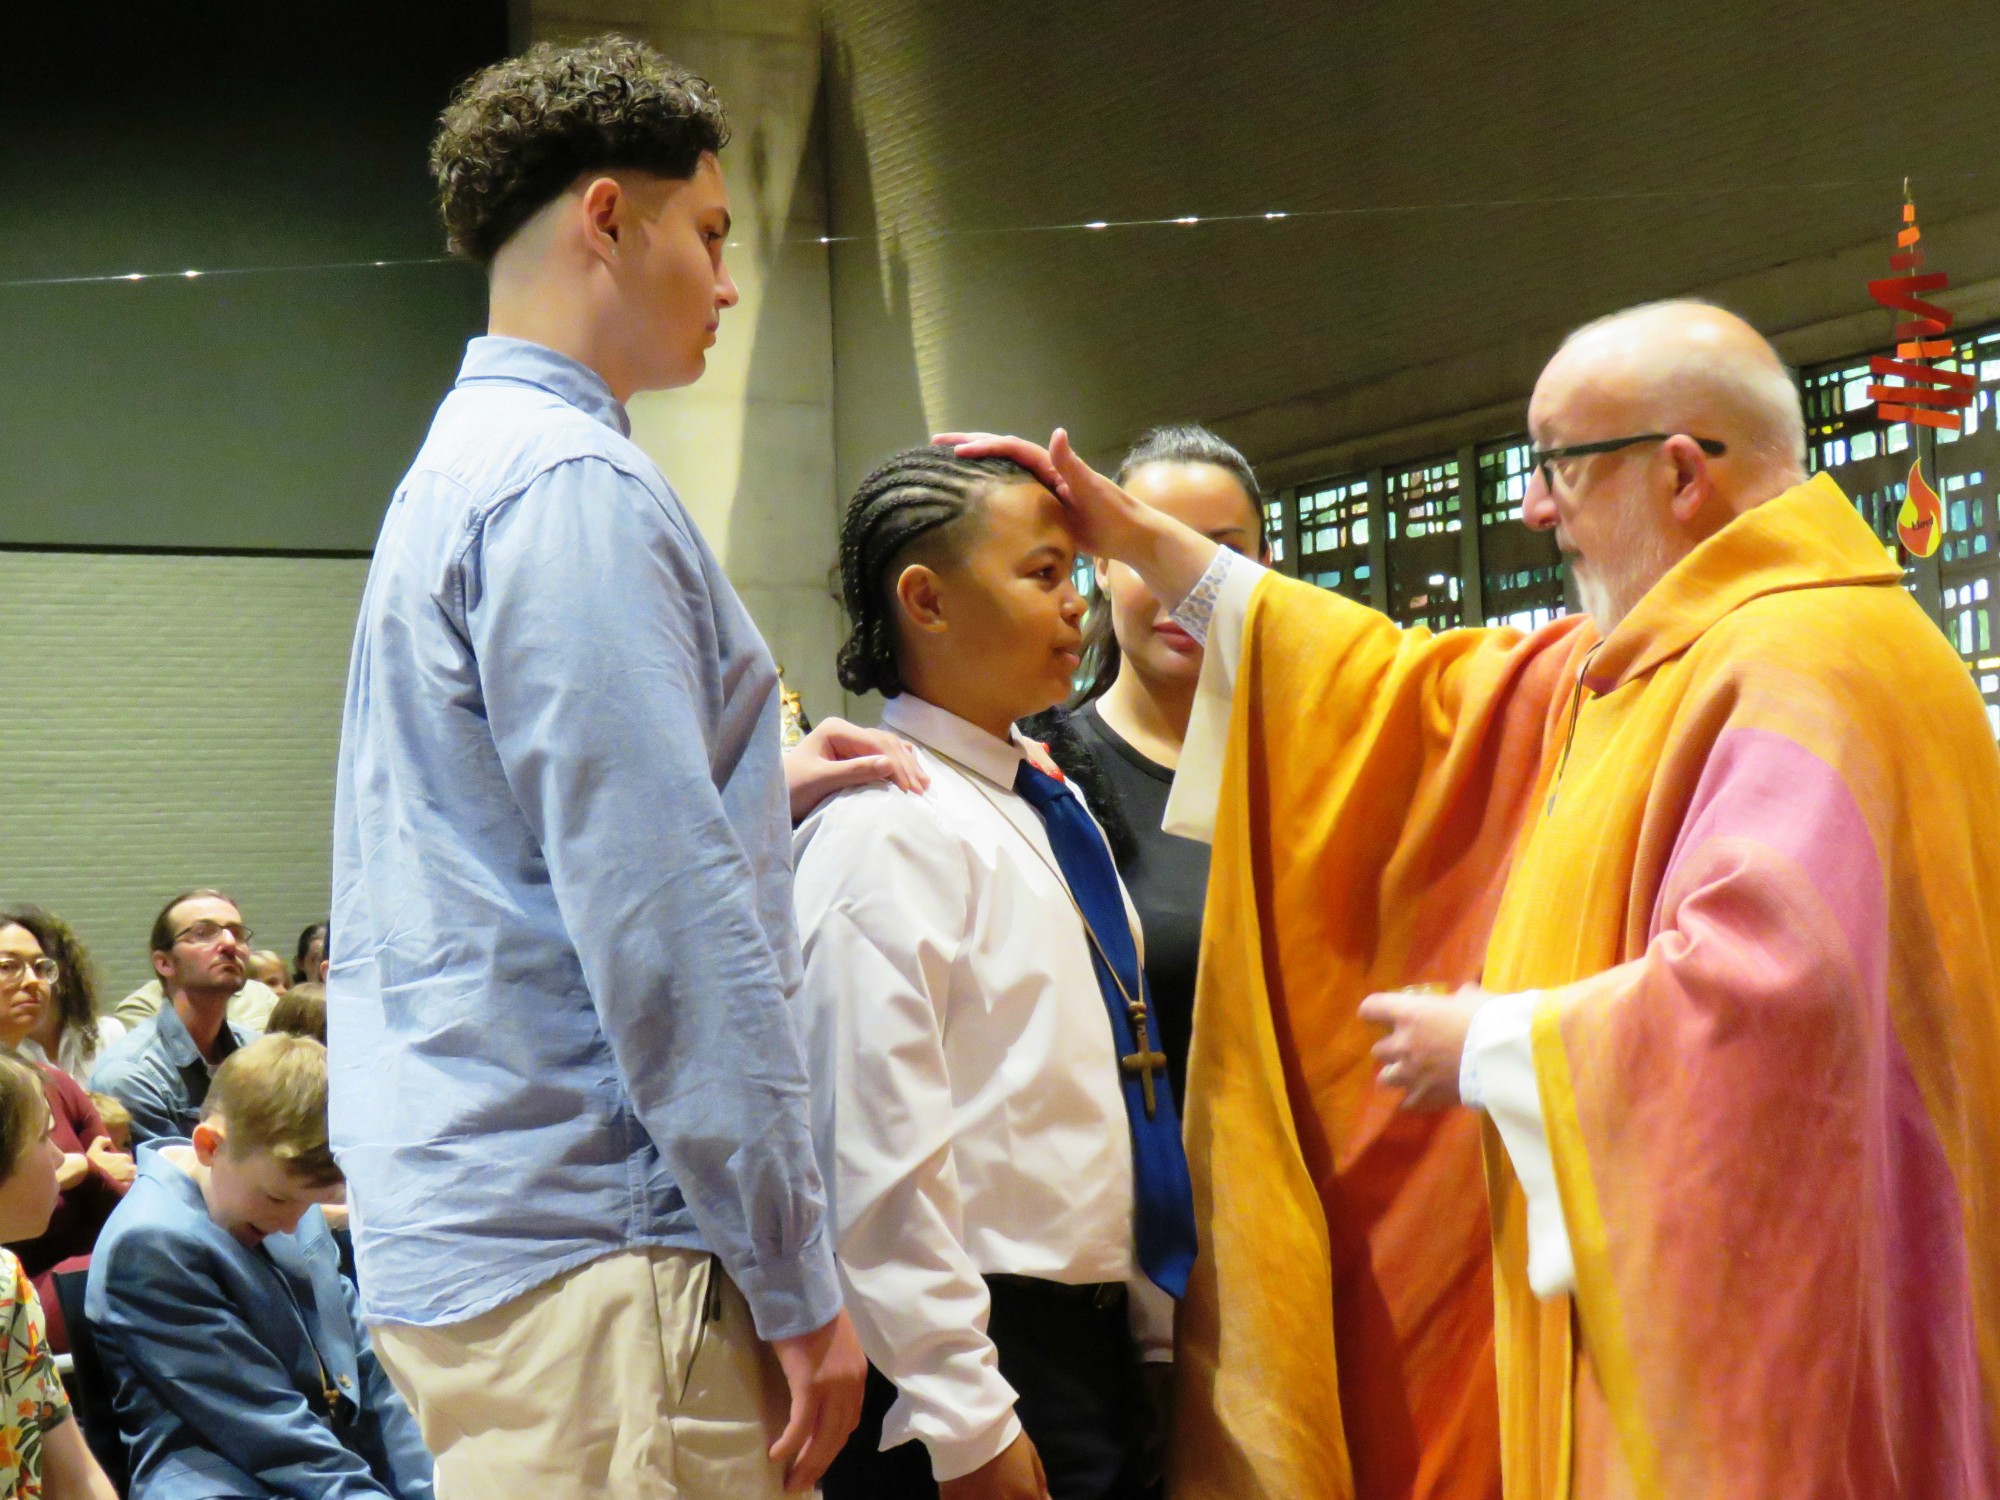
(1164, 1200)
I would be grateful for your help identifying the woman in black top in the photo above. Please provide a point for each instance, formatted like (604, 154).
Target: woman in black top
(1120, 737)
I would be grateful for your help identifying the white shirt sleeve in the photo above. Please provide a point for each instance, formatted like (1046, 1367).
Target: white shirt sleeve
(878, 954)
(1497, 1074)
(1214, 613)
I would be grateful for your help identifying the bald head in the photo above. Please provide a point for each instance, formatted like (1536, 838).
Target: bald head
(1695, 421)
(1688, 367)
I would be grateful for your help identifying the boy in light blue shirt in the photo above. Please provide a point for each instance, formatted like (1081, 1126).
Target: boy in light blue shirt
(568, 1090)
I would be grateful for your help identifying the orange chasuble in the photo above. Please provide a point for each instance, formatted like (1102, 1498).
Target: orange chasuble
(1747, 850)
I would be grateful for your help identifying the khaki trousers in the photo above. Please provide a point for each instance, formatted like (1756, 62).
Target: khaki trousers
(638, 1376)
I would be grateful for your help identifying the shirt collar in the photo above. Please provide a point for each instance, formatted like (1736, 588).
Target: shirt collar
(948, 734)
(152, 1164)
(179, 1045)
(490, 357)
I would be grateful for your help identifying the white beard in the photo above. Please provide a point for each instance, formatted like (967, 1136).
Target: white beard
(1609, 588)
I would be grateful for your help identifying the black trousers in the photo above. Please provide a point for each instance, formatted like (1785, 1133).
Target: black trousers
(1068, 1353)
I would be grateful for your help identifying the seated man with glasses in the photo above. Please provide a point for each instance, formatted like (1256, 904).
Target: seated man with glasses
(249, 1007)
(160, 1069)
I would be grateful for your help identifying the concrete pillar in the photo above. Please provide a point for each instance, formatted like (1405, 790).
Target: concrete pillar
(750, 447)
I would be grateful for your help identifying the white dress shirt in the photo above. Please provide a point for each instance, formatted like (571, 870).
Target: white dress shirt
(1497, 1070)
(966, 1090)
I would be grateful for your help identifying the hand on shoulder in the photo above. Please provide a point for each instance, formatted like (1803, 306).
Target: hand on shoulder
(838, 755)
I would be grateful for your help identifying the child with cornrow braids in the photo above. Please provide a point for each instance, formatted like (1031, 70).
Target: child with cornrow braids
(998, 1140)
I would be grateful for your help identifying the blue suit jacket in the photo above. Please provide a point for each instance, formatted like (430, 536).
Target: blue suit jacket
(218, 1388)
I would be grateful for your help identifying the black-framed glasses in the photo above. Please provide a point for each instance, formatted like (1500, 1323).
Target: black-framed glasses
(14, 969)
(204, 933)
(1543, 458)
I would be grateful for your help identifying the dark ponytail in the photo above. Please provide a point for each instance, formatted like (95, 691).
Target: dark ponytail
(1179, 443)
(917, 493)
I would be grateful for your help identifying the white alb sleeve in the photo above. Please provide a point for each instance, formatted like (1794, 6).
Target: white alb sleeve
(1214, 614)
(1497, 1074)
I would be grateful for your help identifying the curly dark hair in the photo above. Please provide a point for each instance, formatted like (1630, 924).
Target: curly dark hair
(918, 493)
(75, 994)
(518, 133)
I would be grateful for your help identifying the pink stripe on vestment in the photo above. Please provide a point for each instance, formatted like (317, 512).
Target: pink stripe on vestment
(1759, 785)
(1913, 1423)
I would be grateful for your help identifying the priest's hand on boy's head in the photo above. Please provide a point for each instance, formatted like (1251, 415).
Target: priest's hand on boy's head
(1425, 1046)
(1106, 521)
(1031, 456)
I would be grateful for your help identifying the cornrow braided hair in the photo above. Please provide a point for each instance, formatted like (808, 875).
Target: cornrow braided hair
(914, 494)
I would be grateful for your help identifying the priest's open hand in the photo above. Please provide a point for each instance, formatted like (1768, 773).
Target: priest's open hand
(1425, 1046)
(1106, 521)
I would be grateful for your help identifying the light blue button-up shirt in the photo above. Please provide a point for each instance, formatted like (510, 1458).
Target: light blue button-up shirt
(158, 1074)
(561, 1001)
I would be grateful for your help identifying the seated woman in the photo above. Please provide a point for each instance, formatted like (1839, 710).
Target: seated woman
(71, 1033)
(1002, 1158)
(309, 962)
(1120, 739)
(42, 1452)
(93, 1174)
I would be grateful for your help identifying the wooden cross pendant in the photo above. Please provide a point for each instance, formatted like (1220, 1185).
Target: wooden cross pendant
(1145, 1062)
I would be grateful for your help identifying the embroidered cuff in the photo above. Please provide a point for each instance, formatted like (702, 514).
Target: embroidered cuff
(1194, 613)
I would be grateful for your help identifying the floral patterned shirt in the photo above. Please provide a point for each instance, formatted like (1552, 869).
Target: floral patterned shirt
(31, 1392)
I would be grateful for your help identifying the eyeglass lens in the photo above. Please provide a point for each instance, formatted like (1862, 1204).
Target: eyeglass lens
(208, 932)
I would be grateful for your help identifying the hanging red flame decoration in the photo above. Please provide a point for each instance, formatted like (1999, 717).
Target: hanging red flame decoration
(1920, 523)
(1928, 396)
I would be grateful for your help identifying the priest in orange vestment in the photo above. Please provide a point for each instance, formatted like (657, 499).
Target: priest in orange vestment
(1716, 866)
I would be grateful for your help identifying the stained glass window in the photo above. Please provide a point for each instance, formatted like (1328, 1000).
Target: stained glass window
(1845, 439)
(1423, 509)
(1520, 570)
(1333, 535)
(1968, 466)
(1871, 462)
(1274, 527)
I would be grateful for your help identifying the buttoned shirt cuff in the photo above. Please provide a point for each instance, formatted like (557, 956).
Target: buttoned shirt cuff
(791, 1294)
(1497, 1074)
(960, 1456)
(1215, 614)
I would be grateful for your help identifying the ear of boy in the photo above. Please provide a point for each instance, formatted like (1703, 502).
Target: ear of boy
(622, 272)
(920, 591)
(209, 1141)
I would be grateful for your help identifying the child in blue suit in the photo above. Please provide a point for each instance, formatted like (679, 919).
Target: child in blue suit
(217, 1304)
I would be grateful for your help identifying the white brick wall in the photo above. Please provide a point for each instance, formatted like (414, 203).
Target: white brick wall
(168, 722)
